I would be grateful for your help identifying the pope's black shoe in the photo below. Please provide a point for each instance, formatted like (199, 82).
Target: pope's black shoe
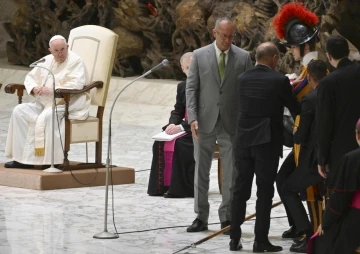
(265, 247)
(15, 164)
(235, 244)
(225, 224)
(291, 233)
(197, 226)
(300, 247)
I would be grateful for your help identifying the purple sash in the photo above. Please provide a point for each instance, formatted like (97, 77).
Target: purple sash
(169, 148)
(310, 243)
(356, 200)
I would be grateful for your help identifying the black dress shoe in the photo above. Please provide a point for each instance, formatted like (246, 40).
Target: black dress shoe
(169, 195)
(197, 226)
(299, 239)
(235, 245)
(225, 224)
(15, 164)
(265, 247)
(291, 233)
(300, 247)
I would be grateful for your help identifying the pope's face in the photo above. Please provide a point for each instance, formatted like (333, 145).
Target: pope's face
(59, 49)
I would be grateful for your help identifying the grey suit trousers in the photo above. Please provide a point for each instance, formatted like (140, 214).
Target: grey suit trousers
(203, 153)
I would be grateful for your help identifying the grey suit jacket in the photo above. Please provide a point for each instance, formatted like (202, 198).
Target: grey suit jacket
(207, 96)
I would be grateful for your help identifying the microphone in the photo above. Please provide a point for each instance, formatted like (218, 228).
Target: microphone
(105, 234)
(164, 62)
(42, 60)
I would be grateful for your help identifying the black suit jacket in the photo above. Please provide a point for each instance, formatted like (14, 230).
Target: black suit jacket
(263, 93)
(178, 114)
(306, 132)
(337, 112)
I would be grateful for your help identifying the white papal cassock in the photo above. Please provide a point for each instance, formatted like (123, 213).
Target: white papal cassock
(29, 135)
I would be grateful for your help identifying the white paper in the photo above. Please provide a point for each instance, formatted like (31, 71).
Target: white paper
(162, 136)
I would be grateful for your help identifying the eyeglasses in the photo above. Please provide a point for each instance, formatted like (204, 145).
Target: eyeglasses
(224, 36)
(57, 52)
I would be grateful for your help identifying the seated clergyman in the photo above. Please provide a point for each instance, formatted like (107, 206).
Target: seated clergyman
(173, 164)
(340, 229)
(29, 137)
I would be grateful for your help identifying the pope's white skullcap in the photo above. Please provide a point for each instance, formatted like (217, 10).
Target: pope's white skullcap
(57, 37)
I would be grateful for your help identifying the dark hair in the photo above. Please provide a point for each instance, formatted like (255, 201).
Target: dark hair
(358, 125)
(338, 47)
(317, 69)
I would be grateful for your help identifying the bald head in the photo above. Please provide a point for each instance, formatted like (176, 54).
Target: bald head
(265, 53)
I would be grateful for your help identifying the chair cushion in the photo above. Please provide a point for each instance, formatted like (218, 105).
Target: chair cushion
(84, 130)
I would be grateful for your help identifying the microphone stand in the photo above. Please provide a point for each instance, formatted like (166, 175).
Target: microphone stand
(52, 168)
(105, 234)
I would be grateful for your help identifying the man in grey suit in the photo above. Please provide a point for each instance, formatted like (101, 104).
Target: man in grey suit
(212, 105)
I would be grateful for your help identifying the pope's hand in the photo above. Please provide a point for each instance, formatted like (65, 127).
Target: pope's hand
(46, 91)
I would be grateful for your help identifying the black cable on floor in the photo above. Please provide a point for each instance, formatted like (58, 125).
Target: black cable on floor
(171, 227)
(142, 170)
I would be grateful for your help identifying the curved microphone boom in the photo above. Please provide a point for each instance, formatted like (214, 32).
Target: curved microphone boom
(164, 62)
(105, 234)
(34, 64)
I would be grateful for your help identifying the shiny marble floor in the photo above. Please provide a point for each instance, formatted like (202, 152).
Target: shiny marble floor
(64, 221)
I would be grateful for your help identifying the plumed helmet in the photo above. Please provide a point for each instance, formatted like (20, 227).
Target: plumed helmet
(295, 25)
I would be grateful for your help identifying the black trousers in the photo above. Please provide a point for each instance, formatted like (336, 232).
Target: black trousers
(286, 169)
(298, 181)
(261, 160)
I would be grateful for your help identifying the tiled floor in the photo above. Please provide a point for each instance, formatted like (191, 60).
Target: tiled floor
(64, 221)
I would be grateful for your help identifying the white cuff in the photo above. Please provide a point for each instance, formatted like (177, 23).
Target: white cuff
(181, 127)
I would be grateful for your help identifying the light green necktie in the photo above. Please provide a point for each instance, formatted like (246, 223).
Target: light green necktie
(222, 65)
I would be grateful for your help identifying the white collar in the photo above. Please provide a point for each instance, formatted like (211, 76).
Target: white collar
(218, 51)
(308, 57)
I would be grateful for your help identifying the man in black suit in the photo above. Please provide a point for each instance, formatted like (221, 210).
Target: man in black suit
(263, 93)
(336, 113)
(305, 174)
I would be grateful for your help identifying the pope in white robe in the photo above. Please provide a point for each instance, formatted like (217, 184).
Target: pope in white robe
(29, 137)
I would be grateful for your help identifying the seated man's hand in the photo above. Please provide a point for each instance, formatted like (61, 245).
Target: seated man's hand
(323, 170)
(36, 90)
(45, 91)
(320, 230)
(172, 129)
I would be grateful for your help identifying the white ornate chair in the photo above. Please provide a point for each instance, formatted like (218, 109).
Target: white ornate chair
(96, 45)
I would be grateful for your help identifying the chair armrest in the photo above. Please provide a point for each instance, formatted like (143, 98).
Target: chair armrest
(11, 88)
(61, 93)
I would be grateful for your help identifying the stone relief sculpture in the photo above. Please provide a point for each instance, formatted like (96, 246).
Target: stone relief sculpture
(151, 30)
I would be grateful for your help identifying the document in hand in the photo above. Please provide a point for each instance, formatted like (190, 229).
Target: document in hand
(162, 136)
